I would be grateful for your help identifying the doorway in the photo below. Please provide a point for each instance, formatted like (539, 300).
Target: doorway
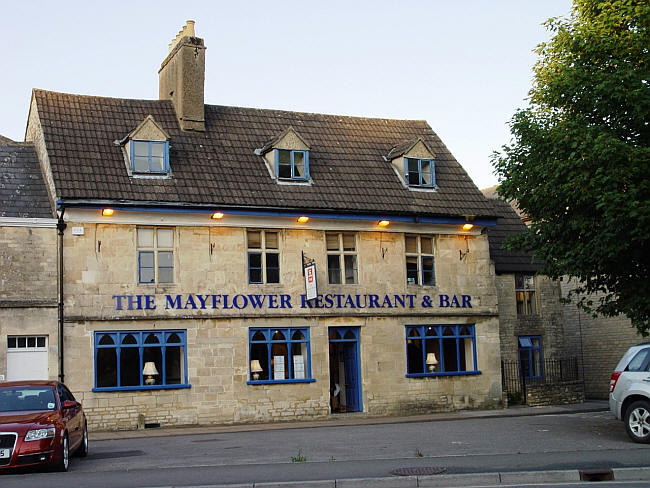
(345, 370)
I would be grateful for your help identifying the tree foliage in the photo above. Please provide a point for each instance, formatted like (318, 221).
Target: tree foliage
(579, 160)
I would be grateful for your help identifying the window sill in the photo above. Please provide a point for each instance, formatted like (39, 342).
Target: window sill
(279, 382)
(142, 388)
(451, 373)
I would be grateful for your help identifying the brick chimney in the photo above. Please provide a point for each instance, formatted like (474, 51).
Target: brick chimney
(181, 78)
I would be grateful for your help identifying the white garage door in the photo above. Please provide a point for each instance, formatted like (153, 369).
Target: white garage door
(27, 358)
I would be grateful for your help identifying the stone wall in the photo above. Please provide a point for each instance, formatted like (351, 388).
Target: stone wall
(541, 393)
(102, 263)
(604, 341)
(28, 287)
(547, 323)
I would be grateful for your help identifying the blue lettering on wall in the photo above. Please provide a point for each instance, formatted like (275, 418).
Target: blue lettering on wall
(260, 301)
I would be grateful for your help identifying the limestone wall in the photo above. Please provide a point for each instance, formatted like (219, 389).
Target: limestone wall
(212, 260)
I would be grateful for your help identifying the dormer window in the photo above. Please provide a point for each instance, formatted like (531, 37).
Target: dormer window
(419, 172)
(149, 156)
(292, 164)
(287, 157)
(146, 150)
(414, 163)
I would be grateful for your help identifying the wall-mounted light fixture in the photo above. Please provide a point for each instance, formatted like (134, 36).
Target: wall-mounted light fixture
(383, 223)
(468, 226)
(217, 215)
(107, 212)
(303, 219)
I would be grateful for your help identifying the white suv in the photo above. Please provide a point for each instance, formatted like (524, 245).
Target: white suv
(629, 392)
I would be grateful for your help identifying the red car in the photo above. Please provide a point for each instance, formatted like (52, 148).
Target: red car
(41, 424)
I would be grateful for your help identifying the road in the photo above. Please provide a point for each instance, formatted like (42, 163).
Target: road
(476, 445)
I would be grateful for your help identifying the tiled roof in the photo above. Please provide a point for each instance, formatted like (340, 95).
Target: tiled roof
(219, 167)
(22, 190)
(508, 223)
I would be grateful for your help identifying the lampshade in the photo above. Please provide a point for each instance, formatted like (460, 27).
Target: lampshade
(149, 369)
(431, 359)
(255, 366)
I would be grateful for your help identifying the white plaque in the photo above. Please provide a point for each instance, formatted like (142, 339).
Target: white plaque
(278, 367)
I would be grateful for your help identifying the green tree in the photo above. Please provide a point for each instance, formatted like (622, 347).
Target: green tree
(579, 159)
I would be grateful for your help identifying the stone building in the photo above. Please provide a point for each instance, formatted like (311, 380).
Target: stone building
(226, 264)
(28, 268)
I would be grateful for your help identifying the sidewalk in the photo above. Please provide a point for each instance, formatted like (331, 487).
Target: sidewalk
(355, 419)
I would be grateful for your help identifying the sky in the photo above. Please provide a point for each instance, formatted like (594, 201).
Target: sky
(465, 67)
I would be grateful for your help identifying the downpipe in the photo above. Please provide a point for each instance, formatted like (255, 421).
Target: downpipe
(60, 227)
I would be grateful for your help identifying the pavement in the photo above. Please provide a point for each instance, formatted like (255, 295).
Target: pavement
(561, 477)
(336, 420)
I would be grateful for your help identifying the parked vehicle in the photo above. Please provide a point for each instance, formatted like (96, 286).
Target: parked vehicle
(629, 392)
(41, 424)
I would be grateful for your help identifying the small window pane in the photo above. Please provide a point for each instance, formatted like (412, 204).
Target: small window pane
(427, 245)
(165, 275)
(157, 149)
(255, 260)
(146, 275)
(349, 242)
(350, 268)
(258, 336)
(140, 164)
(106, 340)
(519, 282)
(165, 259)
(141, 148)
(22, 342)
(412, 270)
(272, 268)
(299, 171)
(334, 269)
(151, 339)
(278, 336)
(284, 157)
(255, 275)
(298, 336)
(298, 158)
(129, 339)
(146, 259)
(11, 342)
(427, 271)
(173, 339)
(165, 238)
(271, 240)
(411, 244)
(157, 164)
(31, 342)
(254, 239)
(40, 342)
(145, 237)
(284, 170)
(426, 173)
(332, 241)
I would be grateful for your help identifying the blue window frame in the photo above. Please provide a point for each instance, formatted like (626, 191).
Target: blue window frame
(420, 172)
(279, 355)
(122, 360)
(292, 164)
(149, 156)
(440, 350)
(530, 357)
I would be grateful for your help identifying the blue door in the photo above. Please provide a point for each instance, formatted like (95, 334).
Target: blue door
(345, 370)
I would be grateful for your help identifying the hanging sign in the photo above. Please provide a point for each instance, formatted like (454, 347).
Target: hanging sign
(311, 290)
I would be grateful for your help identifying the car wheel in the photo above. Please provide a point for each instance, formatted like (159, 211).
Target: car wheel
(637, 421)
(64, 460)
(82, 450)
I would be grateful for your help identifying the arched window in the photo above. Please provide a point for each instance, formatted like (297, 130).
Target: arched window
(121, 360)
(282, 358)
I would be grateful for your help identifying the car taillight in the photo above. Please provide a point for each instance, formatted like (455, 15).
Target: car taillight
(613, 380)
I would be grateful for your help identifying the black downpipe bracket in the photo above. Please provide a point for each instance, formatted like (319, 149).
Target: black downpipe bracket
(60, 226)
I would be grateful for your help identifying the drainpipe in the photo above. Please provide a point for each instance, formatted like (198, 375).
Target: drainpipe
(60, 227)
